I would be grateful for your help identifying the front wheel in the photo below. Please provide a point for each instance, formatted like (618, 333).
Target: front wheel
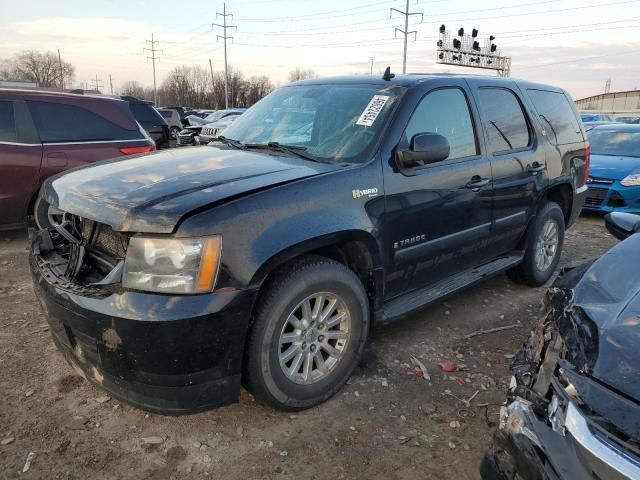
(544, 241)
(309, 331)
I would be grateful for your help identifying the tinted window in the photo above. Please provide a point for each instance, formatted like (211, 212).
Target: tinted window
(556, 115)
(167, 114)
(7, 122)
(445, 112)
(144, 113)
(59, 122)
(506, 123)
(615, 143)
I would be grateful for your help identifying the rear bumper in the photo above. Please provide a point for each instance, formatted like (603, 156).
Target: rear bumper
(579, 197)
(162, 353)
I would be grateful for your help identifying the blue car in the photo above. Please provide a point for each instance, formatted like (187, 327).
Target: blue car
(614, 176)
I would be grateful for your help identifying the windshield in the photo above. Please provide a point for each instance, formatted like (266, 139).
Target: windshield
(615, 143)
(333, 123)
(213, 117)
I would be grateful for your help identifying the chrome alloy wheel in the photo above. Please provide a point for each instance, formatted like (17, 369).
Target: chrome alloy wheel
(314, 338)
(547, 244)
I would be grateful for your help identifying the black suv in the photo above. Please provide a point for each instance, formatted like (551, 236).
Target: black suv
(331, 206)
(150, 119)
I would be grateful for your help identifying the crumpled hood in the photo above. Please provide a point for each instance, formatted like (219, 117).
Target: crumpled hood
(151, 193)
(606, 318)
(613, 167)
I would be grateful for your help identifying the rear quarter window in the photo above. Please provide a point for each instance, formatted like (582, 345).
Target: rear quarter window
(557, 116)
(144, 112)
(61, 122)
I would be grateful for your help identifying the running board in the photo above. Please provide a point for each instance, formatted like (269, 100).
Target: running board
(401, 306)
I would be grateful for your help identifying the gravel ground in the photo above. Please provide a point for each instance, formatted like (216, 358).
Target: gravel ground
(386, 423)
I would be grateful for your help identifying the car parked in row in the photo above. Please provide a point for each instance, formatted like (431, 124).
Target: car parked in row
(173, 121)
(150, 119)
(266, 263)
(190, 135)
(614, 179)
(45, 133)
(573, 406)
(596, 117)
(212, 131)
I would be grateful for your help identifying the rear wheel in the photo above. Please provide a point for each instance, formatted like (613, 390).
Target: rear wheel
(544, 241)
(174, 133)
(309, 332)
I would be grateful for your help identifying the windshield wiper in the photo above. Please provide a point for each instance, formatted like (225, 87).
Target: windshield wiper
(230, 141)
(296, 150)
(504, 137)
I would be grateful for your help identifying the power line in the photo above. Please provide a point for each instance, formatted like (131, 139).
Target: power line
(224, 37)
(406, 31)
(153, 58)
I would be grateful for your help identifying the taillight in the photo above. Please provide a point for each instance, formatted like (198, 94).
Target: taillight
(587, 160)
(137, 150)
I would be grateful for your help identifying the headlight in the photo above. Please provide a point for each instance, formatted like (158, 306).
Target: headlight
(632, 180)
(168, 265)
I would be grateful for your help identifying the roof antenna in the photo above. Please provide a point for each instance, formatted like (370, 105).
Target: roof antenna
(388, 75)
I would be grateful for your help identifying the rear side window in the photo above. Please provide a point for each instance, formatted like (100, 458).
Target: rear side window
(506, 123)
(167, 114)
(7, 123)
(556, 116)
(445, 112)
(144, 113)
(60, 122)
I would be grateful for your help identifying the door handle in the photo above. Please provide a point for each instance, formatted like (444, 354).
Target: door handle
(535, 168)
(477, 182)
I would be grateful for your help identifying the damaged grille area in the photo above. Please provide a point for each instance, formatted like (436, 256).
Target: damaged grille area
(80, 255)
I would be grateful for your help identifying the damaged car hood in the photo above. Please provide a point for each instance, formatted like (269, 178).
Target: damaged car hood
(151, 193)
(601, 320)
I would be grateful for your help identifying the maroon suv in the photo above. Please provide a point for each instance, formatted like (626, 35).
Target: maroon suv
(43, 133)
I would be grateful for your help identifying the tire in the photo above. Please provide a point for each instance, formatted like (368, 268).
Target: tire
(173, 133)
(531, 271)
(304, 280)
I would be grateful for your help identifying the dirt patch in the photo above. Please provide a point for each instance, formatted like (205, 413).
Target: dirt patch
(387, 423)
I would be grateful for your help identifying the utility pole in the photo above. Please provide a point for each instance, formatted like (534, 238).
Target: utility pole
(111, 83)
(153, 58)
(61, 71)
(211, 69)
(224, 37)
(406, 31)
(96, 83)
(371, 60)
(607, 86)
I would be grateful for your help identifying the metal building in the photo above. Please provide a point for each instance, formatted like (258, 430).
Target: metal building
(613, 102)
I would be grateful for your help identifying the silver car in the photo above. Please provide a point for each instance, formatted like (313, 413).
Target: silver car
(173, 120)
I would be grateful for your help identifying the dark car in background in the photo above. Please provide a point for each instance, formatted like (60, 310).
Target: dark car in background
(596, 117)
(44, 133)
(190, 134)
(614, 178)
(151, 120)
(573, 407)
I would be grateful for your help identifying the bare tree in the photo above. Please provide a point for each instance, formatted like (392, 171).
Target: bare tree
(45, 69)
(132, 88)
(301, 74)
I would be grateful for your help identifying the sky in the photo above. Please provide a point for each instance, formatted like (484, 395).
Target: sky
(574, 44)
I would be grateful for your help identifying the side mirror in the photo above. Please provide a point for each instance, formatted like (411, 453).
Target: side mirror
(424, 148)
(622, 225)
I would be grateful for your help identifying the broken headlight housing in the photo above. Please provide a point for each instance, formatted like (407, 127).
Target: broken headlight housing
(172, 265)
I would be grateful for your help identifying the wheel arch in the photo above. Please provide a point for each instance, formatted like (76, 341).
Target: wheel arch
(356, 249)
(560, 193)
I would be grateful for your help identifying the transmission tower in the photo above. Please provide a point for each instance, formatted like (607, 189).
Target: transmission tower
(96, 83)
(153, 58)
(371, 62)
(406, 31)
(225, 37)
(607, 86)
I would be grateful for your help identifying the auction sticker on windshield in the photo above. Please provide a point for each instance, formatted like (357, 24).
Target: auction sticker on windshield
(372, 111)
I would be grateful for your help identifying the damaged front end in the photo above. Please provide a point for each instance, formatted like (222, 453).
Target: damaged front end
(568, 414)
